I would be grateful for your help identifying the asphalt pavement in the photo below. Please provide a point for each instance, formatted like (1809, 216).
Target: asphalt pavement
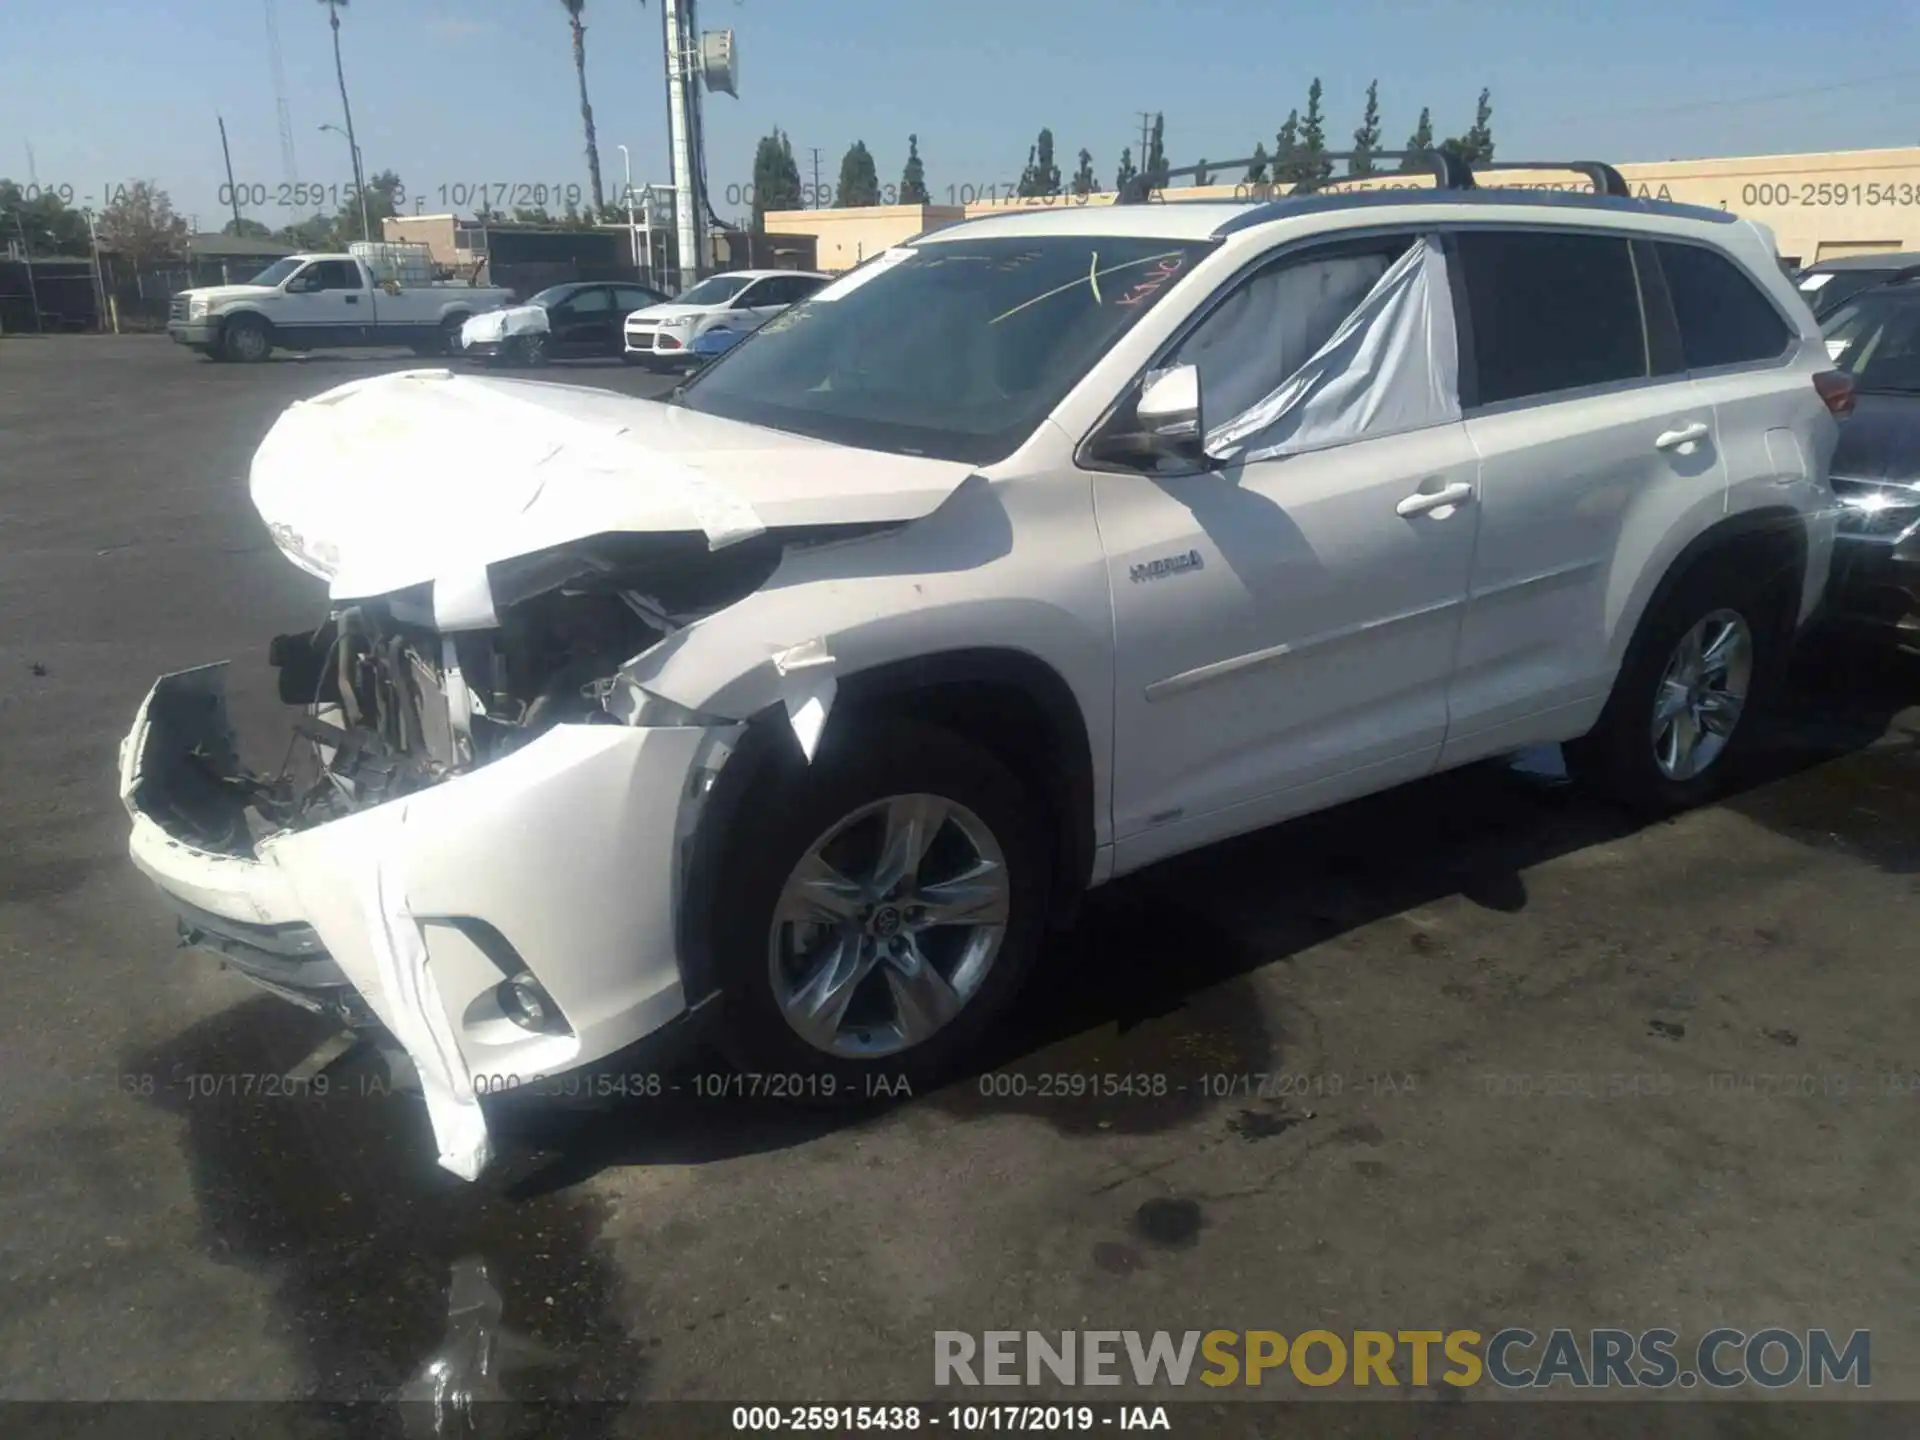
(1474, 1053)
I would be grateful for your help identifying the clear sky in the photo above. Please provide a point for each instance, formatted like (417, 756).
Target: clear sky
(448, 92)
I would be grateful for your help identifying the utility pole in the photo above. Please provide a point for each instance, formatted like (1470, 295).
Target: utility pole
(816, 180)
(1146, 137)
(233, 195)
(359, 179)
(26, 254)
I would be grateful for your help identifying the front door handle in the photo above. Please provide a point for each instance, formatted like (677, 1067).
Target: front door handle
(353, 299)
(1422, 501)
(1679, 439)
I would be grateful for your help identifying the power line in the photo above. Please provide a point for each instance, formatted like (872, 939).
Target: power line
(1730, 102)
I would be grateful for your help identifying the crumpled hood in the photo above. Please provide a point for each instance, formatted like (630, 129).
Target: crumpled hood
(425, 475)
(493, 326)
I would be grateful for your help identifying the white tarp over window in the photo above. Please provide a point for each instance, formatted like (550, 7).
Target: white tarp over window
(1390, 365)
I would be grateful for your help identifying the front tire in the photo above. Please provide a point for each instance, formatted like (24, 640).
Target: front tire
(1678, 723)
(246, 338)
(447, 342)
(531, 350)
(885, 915)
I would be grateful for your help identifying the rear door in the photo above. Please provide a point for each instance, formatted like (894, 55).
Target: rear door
(1594, 448)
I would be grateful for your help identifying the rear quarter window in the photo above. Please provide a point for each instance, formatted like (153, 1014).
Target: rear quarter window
(1724, 317)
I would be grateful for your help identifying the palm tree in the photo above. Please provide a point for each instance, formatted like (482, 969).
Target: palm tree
(574, 7)
(359, 180)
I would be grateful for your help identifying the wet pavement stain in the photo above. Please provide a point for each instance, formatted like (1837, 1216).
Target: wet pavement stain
(1138, 1020)
(1251, 1125)
(1115, 1258)
(1782, 1037)
(1667, 1029)
(338, 1199)
(1169, 1223)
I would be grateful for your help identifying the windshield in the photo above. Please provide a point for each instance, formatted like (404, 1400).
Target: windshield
(716, 290)
(277, 272)
(1875, 338)
(1827, 291)
(953, 349)
(553, 295)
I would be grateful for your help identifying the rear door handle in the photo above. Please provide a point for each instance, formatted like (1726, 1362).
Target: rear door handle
(1422, 501)
(1685, 435)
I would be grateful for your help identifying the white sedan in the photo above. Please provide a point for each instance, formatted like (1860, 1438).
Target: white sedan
(740, 301)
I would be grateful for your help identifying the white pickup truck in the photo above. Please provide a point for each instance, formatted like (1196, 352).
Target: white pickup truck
(314, 302)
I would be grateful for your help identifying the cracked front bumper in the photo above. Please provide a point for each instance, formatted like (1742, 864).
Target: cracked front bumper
(561, 859)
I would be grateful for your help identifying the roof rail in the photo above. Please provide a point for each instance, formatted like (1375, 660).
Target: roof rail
(1606, 180)
(1450, 172)
(1901, 277)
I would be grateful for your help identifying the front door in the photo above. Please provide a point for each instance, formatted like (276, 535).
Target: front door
(1284, 628)
(585, 323)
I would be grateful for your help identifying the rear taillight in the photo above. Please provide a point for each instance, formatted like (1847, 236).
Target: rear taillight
(1836, 390)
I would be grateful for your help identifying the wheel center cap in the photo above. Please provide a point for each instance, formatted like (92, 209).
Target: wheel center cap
(885, 922)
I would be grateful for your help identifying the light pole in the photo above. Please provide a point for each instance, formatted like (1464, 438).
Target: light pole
(366, 232)
(633, 236)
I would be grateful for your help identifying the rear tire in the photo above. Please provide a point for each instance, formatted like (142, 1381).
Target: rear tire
(246, 338)
(864, 782)
(1679, 722)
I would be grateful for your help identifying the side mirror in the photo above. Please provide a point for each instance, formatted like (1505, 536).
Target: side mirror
(1170, 413)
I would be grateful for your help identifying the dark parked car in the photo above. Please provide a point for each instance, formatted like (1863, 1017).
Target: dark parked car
(562, 322)
(1874, 338)
(1829, 284)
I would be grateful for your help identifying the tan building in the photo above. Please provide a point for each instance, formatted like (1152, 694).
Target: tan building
(846, 237)
(1849, 202)
(451, 241)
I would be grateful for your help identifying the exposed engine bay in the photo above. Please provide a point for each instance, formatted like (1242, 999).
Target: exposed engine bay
(391, 706)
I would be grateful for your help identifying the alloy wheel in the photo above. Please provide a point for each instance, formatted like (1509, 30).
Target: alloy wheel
(888, 926)
(1702, 694)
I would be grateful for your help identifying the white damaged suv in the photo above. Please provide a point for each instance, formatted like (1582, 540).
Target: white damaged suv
(1034, 551)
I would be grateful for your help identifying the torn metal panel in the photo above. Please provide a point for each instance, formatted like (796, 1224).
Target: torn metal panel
(417, 1015)
(808, 691)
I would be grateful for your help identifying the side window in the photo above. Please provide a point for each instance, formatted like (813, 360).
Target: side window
(804, 285)
(760, 292)
(334, 275)
(1271, 323)
(1550, 312)
(626, 299)
(1724, 318)
(589, 302)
